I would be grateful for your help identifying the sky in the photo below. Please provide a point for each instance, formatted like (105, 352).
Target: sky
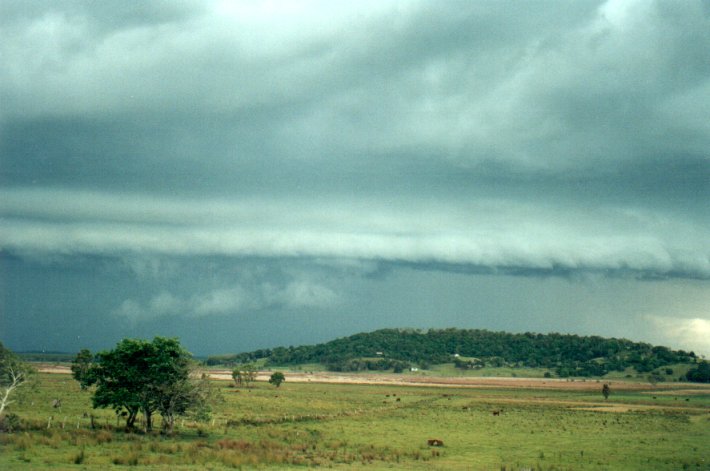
(251, 174)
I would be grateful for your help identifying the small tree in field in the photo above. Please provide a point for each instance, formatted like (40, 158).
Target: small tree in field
(277, 378)
(13, 374)
(237, 377)
(177, 399)
(606, 391)
(248, 374)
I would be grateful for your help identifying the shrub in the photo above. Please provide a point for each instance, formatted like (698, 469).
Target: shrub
(9, 422)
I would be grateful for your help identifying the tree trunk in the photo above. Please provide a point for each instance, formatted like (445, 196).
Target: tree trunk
(168, 423)
(131, 420)
(147, 414)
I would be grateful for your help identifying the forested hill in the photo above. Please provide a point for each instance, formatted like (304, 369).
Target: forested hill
(566, 355)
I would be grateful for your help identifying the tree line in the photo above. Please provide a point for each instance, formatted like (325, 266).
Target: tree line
(565, 354)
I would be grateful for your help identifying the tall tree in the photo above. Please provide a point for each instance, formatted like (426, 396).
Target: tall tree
(13, 374)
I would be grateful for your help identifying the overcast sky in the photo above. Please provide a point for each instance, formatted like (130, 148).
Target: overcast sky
(248, 174)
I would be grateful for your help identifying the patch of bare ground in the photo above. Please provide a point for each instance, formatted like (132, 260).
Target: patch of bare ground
(54, 369)
(469, 382)
(458, 382)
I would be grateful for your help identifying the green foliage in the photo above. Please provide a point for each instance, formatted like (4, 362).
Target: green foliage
(566, 355)
(244, 374)
(237, 377)
(9, 422)
(81, 368)
(249, 372)
(655, 377)
(465, 364)
(368, 364)
(699, 374)
(46, 357)
(141, 376)
(277, 378)
(239, 358)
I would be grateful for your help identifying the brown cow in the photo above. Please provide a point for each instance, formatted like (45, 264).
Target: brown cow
(435, 442)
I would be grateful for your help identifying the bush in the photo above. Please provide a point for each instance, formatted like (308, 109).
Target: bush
(9, 423)
(699, 374)
(277, 378)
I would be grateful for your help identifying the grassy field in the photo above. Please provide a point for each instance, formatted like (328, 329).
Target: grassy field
(374, 426)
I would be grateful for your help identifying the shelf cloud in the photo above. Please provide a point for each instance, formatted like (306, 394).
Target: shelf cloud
(493, 234)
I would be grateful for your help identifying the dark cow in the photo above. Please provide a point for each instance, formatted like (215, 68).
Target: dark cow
(435, 442)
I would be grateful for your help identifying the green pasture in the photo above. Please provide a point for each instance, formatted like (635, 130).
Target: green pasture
(372, 427)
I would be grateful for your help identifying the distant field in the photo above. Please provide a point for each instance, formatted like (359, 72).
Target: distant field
(379, 426)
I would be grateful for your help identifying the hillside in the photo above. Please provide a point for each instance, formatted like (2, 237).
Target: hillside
(398, 349)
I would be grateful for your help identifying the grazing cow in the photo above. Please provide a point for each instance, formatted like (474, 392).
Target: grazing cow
(496, 412)
(57, 403)
(435, 442)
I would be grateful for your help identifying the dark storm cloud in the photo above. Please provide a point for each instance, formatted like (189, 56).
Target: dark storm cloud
(541, 85)
(525, 138)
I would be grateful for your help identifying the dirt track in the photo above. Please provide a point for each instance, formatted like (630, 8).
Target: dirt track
(460, 382)
(463, 382)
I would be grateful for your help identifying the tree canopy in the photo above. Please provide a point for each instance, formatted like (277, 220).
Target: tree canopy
(277, 378)
(699, 374)
(566, 355)
(81, 367)
(139, 376)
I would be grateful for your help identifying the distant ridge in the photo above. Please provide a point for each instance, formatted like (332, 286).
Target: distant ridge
(563, 354)
(46, 356)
